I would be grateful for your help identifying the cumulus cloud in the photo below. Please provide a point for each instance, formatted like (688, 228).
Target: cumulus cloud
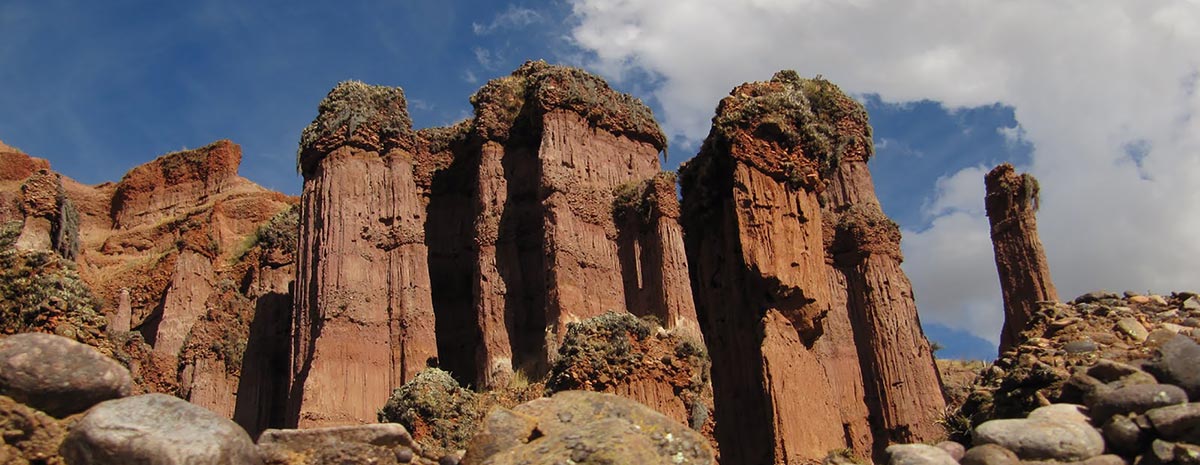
(1087, 80)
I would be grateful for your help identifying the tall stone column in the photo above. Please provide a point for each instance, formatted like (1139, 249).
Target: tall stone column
(363, 321)
(1012, 203)
(753, 231)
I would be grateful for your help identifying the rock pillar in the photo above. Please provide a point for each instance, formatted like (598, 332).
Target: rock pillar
(363, 321)
(1011, 203)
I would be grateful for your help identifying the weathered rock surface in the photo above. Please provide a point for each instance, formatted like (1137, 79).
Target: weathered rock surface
(620, 354)
(768, 260)
(1137, 398)
(382, 444)
(156, 429)
(1041, 439)
(585, 428)
(28, 435)
(57, 375)
(364, 320)
(1012, 203)
(752, 224)
(1176, 363)
(989, 454)
(550, 252)
(918, 454)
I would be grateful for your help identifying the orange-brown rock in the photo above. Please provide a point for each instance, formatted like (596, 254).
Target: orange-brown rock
(620, 354)
(653, 258)
(553, 145)
(1011, 203)
(364, 320)
(797, 279)
(752, 225)
(899, 377)
(168, 260)
(173, 183)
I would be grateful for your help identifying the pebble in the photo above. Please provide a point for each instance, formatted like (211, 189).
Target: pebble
(1133, 328)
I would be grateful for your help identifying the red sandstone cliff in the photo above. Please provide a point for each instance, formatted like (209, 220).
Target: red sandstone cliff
(797, 279)
(554, 144)
(169, 251)
(900, 379)
(364, 319)
(753, 230)
(1011, 202)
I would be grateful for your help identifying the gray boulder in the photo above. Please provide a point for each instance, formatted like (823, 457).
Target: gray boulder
(156, 429)
(1176, 422)
(1137, 398)
(989, 454)
(57, 375)
(918, 454)
(586, 428)
(1041, 439)
(1176, 363)
(380, 444)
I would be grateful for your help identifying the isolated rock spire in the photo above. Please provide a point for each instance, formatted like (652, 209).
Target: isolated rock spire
(1012, 203)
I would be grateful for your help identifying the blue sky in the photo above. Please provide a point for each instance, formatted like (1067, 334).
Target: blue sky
(1095, 97)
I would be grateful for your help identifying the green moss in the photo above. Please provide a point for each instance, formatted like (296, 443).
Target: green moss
(1031, 191)
(797, 112)
(42, 292)
(281, 232)
(501, 102)
(434, 403)
(353, 104)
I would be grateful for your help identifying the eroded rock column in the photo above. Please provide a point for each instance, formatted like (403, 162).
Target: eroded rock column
(753, 231)
(1012, 203)
(899, 377)
(363, 322)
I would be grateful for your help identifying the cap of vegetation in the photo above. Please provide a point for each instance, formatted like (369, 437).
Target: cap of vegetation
(1008, 188)
(442, 415)
(354, 113)
(537, 88)
(813, 115)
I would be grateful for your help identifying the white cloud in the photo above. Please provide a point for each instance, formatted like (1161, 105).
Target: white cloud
(513, 18)
(1085, 80)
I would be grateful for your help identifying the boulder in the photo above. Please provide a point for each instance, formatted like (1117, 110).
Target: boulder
(918, 454)
(1041, 439)
(955, 449)
(1124, 436)
(381, 444)
(1176, 422)
(57, 375)
(1137, 398)
(1062, 412)
(989, 454)
(585, 428)
(156, 429)
(1176, 363)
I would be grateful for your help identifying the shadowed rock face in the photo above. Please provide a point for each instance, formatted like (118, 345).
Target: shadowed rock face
(797, 281)
(899, 377)
(549, 146)
(1011, 202)
(753, 232)
(363, 320)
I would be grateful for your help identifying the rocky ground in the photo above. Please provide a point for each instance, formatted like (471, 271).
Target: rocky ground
(1104, 379)
(63, 402)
